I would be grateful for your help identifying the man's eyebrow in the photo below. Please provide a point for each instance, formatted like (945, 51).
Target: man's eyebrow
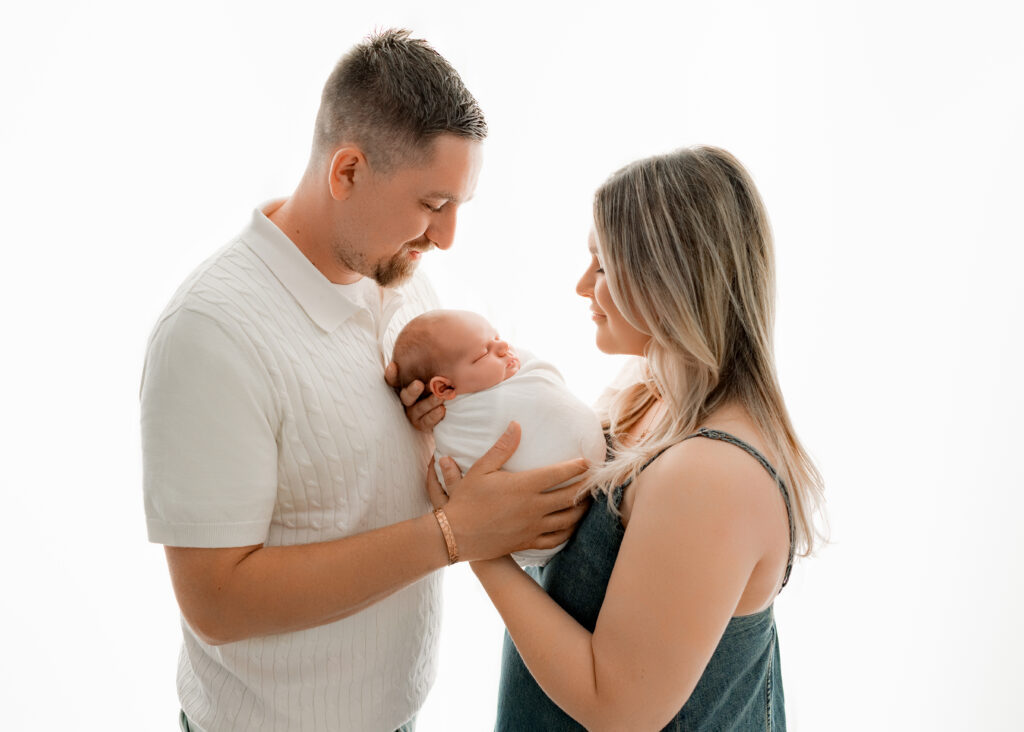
(447, 196)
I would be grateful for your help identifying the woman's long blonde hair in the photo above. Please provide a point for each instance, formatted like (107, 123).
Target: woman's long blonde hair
(687, 251)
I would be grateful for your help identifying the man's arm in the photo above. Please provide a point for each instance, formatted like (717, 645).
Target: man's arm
(236, 593)
(230, 594)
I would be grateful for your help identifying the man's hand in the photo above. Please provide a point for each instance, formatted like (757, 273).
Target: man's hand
(424, 414)
(493, 513)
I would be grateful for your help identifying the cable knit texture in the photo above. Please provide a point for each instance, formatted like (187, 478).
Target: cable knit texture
(266, 419)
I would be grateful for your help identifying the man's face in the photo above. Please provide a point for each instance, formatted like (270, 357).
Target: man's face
(394, 218)
(480, 358)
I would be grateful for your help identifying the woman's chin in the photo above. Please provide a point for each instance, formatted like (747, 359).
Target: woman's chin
(604, 346)
(614, 348)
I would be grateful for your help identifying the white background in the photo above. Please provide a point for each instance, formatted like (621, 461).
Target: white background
(886, 140)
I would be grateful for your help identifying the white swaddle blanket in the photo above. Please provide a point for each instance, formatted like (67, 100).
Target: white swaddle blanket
(556, 426)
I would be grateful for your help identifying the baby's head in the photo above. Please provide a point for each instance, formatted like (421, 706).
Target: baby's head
(452, 352)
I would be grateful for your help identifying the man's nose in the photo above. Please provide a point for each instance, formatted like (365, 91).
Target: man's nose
(442, 228)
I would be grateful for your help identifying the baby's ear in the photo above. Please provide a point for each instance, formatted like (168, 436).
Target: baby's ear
(442, 387)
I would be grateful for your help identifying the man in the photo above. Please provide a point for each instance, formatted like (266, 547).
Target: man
(280, 470)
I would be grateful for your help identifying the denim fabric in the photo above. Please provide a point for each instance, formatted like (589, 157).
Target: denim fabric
(741, 687)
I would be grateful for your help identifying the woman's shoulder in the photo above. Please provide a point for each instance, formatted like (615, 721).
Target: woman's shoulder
(716, 472)
(715, 448)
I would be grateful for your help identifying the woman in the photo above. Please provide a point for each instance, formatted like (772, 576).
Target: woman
(659, 611)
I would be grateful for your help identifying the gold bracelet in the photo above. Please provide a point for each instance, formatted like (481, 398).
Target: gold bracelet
(449, 537)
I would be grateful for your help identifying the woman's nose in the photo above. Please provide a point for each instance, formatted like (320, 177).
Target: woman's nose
(585, 286)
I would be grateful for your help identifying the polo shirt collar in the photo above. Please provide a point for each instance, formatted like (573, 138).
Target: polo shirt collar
(316, 295)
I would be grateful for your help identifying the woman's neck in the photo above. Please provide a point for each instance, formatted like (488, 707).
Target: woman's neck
(644, 424)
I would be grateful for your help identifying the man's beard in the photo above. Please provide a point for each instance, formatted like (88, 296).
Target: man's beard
(399, 268)
(389, 272)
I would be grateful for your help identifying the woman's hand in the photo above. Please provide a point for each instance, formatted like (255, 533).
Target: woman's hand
(423, 414)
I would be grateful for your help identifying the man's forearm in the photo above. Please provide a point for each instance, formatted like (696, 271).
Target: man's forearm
(280, 589)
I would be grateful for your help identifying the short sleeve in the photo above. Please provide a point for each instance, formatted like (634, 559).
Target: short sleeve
(209, 448)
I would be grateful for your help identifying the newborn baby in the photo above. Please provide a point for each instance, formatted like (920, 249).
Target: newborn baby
(486, 384)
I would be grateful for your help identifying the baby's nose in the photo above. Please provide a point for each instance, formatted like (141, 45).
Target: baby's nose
(502, 348)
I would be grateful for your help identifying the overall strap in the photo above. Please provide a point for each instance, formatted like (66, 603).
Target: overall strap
(642, 467)
(615, 497)
(726, 437)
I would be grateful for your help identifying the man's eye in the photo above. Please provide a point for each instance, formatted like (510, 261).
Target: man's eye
(434, 209)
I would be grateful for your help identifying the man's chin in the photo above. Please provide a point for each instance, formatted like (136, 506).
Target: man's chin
(395, 272)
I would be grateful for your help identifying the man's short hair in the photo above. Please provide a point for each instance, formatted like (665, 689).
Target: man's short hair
(391, 95)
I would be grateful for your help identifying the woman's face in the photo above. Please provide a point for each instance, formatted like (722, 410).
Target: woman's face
(614, 333)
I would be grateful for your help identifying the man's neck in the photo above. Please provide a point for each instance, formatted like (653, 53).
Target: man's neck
(305, 221)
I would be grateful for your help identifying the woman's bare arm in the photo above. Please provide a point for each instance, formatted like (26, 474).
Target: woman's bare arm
(693, 539)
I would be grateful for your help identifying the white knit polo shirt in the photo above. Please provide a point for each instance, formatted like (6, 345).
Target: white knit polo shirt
(266, 419)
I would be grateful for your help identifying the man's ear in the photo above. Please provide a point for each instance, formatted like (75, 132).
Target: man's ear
(348, 164)
(442, 388)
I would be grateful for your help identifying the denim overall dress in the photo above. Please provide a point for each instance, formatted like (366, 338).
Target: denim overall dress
(741, 687)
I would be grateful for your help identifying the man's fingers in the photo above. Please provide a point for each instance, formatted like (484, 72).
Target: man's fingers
(435, 491)
(564, 520)
(450, 471)
(409, 394)
(552, 475)
(550, 541)
(391, 374)
(560, 525)
(500, 451)
(565, 497)
(418, 409)
(430, 419)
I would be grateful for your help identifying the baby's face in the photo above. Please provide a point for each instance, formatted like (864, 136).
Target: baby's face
(480, 359)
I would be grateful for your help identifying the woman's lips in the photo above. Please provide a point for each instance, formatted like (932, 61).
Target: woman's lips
(596, 316)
